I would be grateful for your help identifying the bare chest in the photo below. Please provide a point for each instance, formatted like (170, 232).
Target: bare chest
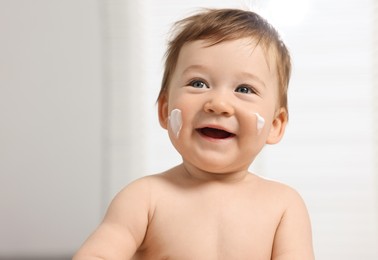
(205, 227)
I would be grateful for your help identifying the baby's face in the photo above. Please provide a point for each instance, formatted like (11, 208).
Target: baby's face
(221, 106)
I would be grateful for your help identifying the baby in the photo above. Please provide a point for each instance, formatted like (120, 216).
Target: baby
(223, 97)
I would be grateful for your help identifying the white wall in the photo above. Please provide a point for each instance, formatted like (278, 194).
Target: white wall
(51, 98)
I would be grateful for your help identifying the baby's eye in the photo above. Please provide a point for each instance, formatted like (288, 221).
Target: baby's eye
(198, 84)
(245, 90)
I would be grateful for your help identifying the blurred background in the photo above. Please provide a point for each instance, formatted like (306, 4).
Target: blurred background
(78, 120)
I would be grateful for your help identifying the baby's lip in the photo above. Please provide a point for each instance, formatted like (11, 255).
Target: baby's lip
(215, 132)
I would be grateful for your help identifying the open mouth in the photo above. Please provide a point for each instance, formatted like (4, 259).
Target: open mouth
(215, 133)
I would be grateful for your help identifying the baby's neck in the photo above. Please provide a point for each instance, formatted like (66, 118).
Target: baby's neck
(200, 175)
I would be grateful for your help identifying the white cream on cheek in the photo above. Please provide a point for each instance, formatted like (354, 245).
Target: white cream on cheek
(260, 122)
(175, 121)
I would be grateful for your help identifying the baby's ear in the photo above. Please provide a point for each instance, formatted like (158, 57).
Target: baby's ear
(278, 127)
(163, 111)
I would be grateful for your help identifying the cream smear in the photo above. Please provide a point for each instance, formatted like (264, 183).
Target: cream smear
(175, 121)
(260, 122)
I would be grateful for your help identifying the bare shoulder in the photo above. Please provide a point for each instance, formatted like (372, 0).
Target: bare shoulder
(293, 239)
(286, 194)
(124, 226)
(140, 190)
(137, 196)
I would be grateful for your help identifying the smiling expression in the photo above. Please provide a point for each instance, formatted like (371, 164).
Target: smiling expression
(221, 91)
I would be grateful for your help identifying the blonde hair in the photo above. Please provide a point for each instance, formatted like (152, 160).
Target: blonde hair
(218, 25)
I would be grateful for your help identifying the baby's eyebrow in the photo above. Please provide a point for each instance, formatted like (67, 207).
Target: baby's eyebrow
(248, 75)
(194, 67)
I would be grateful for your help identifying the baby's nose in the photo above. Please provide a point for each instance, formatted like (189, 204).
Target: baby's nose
(219, 105)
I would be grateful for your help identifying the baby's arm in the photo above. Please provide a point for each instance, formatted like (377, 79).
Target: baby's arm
(123, 228)
(293, 239)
